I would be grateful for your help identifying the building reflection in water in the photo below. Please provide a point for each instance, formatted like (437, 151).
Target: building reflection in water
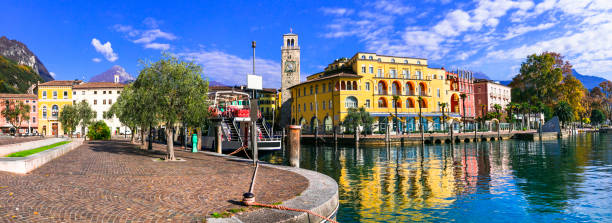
(438, 182)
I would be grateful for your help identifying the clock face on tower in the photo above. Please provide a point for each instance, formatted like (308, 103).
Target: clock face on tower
(290, 67)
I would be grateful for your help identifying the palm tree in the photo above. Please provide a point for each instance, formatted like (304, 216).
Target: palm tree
(463, 96)
(395, 120)
(420, 99)
(442, 107)
(498, 114)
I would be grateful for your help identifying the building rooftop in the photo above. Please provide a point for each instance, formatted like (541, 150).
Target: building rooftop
(90, 85)
(60, 83)
(341, 74)
(24, 96)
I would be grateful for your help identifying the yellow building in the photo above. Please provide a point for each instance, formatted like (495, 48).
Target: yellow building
(371, 81)
(267, 104)
(52, 97)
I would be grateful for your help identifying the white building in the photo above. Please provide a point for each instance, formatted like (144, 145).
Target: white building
(100, 96)
(489, 93)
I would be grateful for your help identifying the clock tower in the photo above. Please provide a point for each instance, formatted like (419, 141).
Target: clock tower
(290, 73)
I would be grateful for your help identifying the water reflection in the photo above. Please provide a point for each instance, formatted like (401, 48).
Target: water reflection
(499, 181)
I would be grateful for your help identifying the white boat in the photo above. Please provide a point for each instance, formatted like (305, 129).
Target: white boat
(230, 109)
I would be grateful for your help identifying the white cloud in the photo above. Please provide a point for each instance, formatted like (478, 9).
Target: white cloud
(231, 69)
(52, 74)
(151, 35)
(147, 37)
(337, 11)
(157, 46)
(95, 59)
(521, 29)
(105, 49)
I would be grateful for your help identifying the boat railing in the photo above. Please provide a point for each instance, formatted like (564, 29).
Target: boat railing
(271, 139)
(237, 131)
(265, 128)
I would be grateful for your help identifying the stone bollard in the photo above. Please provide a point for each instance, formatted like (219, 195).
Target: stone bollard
(294, 145)
(218, 139)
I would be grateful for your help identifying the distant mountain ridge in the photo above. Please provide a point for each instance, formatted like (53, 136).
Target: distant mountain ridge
(20, 54)
(588, 81)
(109, 75)
(16, 78)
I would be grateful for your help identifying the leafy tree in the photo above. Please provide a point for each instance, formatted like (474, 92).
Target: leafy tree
(572, 91)
(606, 89)
(99, 131)
(357, 117)
(126, 110)
(168, 86)
(69, 118)
(84, 115)
(15, 113)
(197, 109)
(597, 117)
(564, 111)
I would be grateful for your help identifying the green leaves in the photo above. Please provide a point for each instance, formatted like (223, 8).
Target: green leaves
(15, 112)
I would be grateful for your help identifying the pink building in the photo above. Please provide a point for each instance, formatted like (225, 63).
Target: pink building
(488, 93)
(461, 82)
(27, 126)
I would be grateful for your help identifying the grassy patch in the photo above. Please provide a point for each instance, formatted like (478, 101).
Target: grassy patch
(37, 150)
(220, 215)
(236, 210)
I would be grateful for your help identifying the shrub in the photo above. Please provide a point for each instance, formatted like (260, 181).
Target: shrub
(99, 131)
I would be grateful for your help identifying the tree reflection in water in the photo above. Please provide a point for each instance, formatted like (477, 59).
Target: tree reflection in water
(479, 182)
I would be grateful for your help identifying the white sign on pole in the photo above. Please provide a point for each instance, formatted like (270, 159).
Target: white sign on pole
(254, 82)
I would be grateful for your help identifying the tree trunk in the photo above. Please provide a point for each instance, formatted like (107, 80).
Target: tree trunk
(199, 133)
(133, 139)
(142, 134)
(170, 143)
(145, 132)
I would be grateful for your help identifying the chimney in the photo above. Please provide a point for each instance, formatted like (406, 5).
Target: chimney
(116, 80)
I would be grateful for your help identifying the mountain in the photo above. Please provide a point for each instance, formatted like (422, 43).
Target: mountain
(588, 81)
(19, 53)
(109, 75)
(215, 84)
(16, 78)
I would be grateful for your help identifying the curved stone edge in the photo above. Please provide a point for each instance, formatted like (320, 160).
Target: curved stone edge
(321, 197)
(23, 165)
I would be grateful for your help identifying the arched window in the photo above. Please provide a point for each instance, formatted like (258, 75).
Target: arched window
(337, 86)
(288, 42)
(410, 103)
(54, 111)
(405, 61)
(382, 87)
(423, 103)
(397, 103)
(409, 88)
(292, 42)
(44, 112)
(395, 88)
(343, 85)
(349, 86)
(392, 60)
(354, 85)
(363, 57)
(370, 57)
(350, 102)
(422, 89)
(382, 102)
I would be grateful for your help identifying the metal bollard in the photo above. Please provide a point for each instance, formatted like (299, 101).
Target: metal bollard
(294, 145)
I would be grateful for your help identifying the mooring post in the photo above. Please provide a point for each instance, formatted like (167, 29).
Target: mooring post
(387, 133)
(294, 145)
(335, 134)
(475, 131)
(357, 136)
(451, 135)
(540, 130)
(218, 139)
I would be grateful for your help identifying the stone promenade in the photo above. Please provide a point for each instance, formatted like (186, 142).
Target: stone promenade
(116, 182)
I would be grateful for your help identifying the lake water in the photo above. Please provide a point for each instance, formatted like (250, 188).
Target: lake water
(567, 180)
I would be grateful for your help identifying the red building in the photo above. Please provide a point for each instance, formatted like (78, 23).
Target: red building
(490, 93)
(27, 126)
(461, 82)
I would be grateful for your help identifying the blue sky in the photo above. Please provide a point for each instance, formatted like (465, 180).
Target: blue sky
(77, 39)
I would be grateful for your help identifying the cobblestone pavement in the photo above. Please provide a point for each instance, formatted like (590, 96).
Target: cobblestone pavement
(115, 182)
(9, 140)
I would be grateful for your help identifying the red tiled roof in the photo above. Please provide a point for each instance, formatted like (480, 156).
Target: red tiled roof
(328, 77)
(59, 83)
(24, 96)
(98, 85)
